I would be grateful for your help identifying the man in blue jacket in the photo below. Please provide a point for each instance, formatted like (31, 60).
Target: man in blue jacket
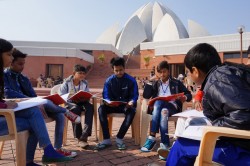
(118, 87)
(16, 85)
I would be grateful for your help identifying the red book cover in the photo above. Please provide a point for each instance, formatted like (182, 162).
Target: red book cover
(167, 98)
(115, 103)
(80, 96)
(56, 99)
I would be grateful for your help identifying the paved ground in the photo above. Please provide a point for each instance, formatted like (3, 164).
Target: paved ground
(108, 157)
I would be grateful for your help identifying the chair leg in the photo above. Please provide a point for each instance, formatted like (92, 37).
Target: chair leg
(1, 148)
(145, 120)
(100, 133)
(65, 131)
(21, 146)
(110, 122)
(95, 124)
(136, 128)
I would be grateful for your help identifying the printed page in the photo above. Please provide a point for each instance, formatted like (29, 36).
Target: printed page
(192, 132)
(190, 113)
(30, 103)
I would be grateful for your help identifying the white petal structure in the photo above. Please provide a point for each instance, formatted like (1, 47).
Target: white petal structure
(146, 19)
(196, 30)
(150, 23)
(179, 25)
(166, 30)
(132, 35)
(109, 36)
(158, 13)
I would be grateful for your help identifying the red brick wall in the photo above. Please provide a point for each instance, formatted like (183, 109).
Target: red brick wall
(36, 65)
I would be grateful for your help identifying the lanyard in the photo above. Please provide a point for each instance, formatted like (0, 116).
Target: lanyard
(164, 91)
(78, 87)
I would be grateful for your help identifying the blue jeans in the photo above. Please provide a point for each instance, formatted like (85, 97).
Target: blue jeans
(104, 110)
(57, 113)
(185, 151)
(160, 119)
(29, 119)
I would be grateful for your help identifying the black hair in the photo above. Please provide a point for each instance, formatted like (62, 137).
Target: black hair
(117, 61)
(162, 65)
(203, 56)
(5, 46)
(18, 54)
(78, 68)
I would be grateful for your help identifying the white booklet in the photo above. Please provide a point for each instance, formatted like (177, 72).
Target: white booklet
(190, 113)
(30, 103)
(191, 125)
(192, 132)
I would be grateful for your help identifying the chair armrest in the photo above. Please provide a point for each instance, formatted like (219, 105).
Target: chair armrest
(209, 138)
(10, 119)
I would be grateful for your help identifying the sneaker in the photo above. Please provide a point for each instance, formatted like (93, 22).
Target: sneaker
(83, 144)
(163, 151)
(148, 146)
(73, 117)
(66, 153)
(47, 160)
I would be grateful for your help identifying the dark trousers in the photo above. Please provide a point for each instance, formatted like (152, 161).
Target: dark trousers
(103, 112)
(89, 112)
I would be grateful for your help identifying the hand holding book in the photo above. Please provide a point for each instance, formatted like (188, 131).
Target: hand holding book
(114, 103)
(81, 96)
(167, 98)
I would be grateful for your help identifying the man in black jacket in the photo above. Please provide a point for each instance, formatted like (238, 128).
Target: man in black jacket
(226, 103)
(161, 110)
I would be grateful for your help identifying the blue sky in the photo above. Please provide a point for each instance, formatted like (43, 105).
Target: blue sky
(85, 20)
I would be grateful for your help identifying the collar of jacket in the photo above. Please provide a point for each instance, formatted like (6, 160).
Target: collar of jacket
(13, 73)
(206, 78)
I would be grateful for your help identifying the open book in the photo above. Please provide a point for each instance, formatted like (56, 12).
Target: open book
(167, 98)
(115, 103)
(80, 95)
(29, 103)
(57, 99)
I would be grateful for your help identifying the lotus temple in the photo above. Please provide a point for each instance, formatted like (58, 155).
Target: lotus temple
(153, 32)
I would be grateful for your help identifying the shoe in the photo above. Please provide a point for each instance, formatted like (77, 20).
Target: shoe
(163, 151)
(73, 117)
(48, 160)
(121, 146)
(83, 144)
(148, 146)
(102, 146)
(84, 137)
(66, 153)
(162, 158)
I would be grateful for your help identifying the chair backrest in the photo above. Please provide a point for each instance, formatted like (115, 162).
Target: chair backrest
(208, 141)
(19, 137)
(55, 89)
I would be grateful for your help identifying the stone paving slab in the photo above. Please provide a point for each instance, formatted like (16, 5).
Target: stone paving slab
(108, 157)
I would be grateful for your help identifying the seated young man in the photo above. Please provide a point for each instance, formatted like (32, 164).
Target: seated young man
(225, 102)
(162, 110)
(72, 85)
(16, 85)
(28, 119)
(118, 87)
